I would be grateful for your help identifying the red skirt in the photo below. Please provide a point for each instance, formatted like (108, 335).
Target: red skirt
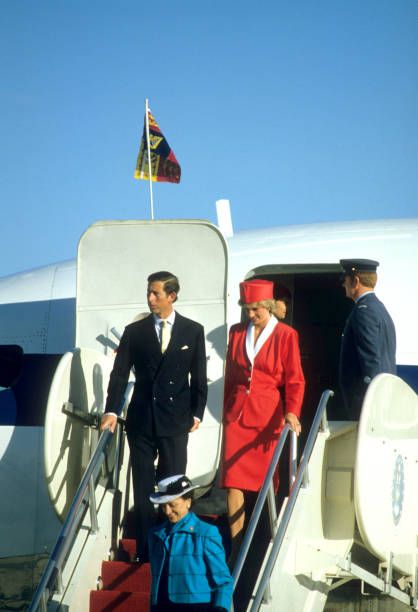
(247, 453)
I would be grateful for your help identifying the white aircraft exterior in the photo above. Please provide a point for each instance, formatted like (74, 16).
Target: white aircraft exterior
(50, 310)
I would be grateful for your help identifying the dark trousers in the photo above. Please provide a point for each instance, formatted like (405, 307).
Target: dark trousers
(172, 459)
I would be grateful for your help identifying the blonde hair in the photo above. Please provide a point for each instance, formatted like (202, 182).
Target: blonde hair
(269, 304)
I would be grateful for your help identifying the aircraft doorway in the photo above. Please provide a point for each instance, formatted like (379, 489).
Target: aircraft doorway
(317, 308)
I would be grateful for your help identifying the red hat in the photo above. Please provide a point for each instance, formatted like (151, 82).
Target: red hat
(255, 290)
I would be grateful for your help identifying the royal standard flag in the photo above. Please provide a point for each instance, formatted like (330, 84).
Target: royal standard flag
(164, 165)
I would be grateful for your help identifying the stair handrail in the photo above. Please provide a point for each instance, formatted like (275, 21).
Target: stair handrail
(319, 423)
(55, 562)
(83, 498)
(261, 498)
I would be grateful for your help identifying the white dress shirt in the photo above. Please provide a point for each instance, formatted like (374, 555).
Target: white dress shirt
(170, 322)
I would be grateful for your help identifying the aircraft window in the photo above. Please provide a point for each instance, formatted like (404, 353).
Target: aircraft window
(23, 402)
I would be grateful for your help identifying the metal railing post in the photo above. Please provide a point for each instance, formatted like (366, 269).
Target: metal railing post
(271, 502)
(42, 603)
(293, 458)
(58, 581)
(324, 421)
(305, 479)
(94, 524)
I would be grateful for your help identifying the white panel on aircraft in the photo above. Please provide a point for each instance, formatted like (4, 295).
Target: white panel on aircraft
(386, 474)
(114, 260)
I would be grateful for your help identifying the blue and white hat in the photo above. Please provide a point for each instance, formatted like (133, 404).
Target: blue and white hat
(171, 488)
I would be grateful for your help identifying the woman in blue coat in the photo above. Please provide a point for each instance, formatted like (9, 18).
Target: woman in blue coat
(188, 566)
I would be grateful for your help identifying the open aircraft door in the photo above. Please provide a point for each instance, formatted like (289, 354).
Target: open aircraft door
(385, 487)
(114, 260)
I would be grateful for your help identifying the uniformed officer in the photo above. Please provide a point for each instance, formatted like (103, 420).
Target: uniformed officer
(368, 344)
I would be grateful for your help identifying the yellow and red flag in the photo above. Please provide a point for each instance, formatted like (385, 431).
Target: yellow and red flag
(164, 165)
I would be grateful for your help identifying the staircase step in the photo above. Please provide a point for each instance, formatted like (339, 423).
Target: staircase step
(121, 576)
(127, 549)
(122, 601)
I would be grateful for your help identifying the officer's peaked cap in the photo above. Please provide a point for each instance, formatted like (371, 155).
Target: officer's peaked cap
(351, 266)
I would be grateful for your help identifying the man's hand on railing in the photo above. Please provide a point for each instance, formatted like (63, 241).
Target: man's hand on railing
(108, 421)
(293, 422)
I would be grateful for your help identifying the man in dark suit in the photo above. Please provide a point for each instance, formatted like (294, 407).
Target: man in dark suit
(368, 344)
(167, 352)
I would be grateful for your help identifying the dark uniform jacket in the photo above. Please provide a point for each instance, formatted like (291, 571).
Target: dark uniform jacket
(170, 388)
(368, 348)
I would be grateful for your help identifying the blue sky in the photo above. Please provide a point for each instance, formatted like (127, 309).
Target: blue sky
(297, 111)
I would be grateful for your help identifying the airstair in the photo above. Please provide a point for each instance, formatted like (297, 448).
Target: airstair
(315, 544)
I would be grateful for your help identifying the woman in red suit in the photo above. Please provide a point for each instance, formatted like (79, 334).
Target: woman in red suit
(264, 386)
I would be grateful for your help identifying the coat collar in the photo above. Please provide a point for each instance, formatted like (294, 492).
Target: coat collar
(186, 525)
(170, 319)
(364, 296)
(253, 350)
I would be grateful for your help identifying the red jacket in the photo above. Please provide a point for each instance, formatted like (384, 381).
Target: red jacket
(264, 392)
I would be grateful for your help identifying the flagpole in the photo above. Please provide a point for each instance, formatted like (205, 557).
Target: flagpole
(149, 159)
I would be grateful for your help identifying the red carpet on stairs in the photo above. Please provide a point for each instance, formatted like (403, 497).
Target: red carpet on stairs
(122, 576)
(126, 585)
(107, 601)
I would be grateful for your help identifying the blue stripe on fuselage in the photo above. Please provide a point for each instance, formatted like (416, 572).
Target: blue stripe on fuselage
(24, 403)
(409, 373)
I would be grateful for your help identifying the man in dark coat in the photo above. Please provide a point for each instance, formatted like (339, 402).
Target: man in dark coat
(167, 352)
(368, 344)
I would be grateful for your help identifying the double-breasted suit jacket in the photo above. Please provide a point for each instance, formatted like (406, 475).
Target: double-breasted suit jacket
(170, 388)
(368, 348)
